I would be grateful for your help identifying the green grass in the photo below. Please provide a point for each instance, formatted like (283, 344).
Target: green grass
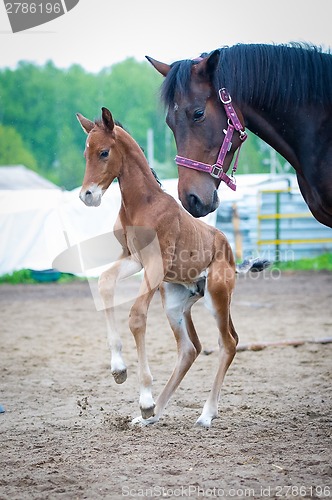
(321, 263)
(24, 277)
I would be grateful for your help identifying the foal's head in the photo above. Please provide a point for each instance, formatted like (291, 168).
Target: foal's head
(102, 157)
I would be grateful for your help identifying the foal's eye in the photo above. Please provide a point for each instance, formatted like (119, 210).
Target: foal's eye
(104, 154)
(198, 115)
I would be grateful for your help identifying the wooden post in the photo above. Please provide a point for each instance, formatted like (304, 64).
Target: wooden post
(237, 233)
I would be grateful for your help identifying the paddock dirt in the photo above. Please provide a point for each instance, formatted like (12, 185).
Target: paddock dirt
(66, 431)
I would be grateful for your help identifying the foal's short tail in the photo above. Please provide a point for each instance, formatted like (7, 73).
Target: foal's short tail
(253, 265)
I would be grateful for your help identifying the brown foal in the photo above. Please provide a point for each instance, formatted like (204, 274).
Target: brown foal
(181, 255)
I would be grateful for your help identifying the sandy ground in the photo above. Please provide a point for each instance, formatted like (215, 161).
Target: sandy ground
(66, 432)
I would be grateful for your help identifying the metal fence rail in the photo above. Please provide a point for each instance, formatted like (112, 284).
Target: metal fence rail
(273, 222)
(271, 206)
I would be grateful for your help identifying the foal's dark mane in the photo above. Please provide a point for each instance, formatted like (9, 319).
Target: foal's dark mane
(263, 75)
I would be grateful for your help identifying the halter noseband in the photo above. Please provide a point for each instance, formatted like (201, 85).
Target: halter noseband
(216, 170)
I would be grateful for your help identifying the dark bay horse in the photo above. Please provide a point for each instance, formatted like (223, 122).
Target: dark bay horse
(183, 256)
(284, 93)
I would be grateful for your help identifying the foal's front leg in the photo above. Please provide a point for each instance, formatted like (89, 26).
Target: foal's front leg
(137, 325)
(107, 284)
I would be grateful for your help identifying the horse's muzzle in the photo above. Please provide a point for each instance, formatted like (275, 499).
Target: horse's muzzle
(197, 207)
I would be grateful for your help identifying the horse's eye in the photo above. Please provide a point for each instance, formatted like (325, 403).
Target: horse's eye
(198, 115)
(104, 154)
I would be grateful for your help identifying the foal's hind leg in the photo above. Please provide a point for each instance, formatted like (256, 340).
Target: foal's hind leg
(220, 283)
(107, 284)
(178, 300)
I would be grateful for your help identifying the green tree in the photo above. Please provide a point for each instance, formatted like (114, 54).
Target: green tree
(13, 150)
(69, 166)
(40, 103)
(130, 90)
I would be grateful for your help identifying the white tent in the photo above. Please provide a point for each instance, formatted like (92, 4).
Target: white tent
(19, 177)
(38, 220)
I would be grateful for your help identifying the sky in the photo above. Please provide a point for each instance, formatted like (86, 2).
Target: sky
(99, 33)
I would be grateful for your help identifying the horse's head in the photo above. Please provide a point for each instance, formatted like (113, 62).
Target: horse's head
(102, 165)
(198, 120)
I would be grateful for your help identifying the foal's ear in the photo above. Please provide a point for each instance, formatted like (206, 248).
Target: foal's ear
(162, 68)
(107, 119)
(87, 125)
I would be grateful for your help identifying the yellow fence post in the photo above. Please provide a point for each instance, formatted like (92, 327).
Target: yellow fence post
(277, 217)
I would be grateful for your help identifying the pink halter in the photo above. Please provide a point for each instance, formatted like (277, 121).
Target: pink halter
(216, 170)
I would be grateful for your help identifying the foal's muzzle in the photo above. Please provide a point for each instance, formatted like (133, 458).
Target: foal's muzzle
(91, 199)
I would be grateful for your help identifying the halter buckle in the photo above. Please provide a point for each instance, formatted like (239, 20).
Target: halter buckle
(243, 135)
(216, 171)
(227, 98)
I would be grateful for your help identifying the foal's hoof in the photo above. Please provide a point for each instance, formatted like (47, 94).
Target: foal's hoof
(142, 422)
(147, 412)
(120, 376)
(204, 422)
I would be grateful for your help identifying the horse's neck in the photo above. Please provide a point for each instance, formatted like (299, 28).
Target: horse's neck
(299, 135)
(281, 131)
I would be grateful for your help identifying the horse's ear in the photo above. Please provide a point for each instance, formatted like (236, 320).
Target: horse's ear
(107, 119)
(209, 64)
(87, 125)
(212, 61)
(162, 68)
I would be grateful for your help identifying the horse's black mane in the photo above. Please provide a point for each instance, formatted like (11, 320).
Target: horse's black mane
(263, 75)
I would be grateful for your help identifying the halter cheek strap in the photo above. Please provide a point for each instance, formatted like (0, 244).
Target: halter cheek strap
(216, 170)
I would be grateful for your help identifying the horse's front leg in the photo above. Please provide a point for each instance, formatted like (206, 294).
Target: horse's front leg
(107, 284)
(220, 283)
